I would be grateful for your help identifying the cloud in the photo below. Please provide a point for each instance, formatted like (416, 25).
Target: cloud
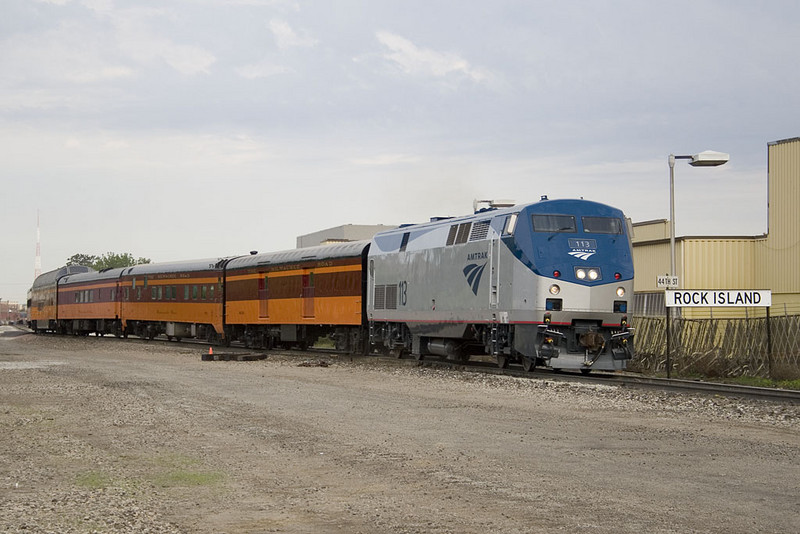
(424, 61)
(136, 37)
(286, 37)
(385, 159)
(263, 69)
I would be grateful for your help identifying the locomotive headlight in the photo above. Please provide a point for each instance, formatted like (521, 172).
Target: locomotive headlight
(554, 289)
(593, 274)
(580, 273)
(620, 291)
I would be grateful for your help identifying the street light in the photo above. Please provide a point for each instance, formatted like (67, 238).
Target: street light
(709, 158)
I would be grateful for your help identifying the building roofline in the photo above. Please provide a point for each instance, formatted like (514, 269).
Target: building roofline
(782, 141)
(654, 221)
(702, 237)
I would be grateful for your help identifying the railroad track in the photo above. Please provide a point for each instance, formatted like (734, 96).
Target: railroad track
(628, 380)
(486, 367)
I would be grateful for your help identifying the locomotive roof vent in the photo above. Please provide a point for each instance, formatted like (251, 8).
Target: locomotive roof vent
(544, 197)
(253, 252)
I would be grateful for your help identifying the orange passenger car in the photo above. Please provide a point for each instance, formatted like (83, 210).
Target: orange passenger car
(88, 303)
(180, 299)
(297, 296)
(43, 298)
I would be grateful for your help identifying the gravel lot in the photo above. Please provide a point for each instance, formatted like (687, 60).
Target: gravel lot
(103, 435)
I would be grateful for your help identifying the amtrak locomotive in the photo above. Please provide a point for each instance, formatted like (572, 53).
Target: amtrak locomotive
(547, 283)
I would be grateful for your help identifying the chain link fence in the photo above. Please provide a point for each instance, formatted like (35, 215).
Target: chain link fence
(767, 347)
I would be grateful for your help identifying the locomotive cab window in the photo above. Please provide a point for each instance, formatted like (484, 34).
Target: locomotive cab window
(404, 242)
(510, 224)
(554, 223)
(602, 225)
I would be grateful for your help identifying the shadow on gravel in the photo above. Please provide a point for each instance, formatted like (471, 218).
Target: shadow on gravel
(10, 332)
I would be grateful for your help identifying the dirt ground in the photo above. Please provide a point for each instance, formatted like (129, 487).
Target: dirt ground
(104, 435)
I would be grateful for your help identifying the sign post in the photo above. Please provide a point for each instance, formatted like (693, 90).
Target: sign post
(706, 298)
(668, 282)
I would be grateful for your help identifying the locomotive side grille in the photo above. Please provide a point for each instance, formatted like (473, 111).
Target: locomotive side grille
(391, 297)
(385, 297)
(451, 237)
(463, 233)
(479, 231)
(380, 297)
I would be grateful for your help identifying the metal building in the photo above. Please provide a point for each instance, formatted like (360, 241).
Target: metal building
(769, 261)
(341, 234)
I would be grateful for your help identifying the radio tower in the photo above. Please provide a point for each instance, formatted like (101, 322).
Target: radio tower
(37, 264)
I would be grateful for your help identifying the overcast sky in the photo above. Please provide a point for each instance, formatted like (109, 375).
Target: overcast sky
(180, 129)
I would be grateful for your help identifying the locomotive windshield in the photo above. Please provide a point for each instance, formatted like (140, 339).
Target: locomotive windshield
(602, 225)
(553, 223)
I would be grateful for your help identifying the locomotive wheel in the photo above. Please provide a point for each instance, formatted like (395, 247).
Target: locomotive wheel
(502, 361)
(528, 364)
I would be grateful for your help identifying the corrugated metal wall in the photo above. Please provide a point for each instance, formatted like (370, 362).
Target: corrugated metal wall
(649, 261)
(650, 231)
(782, 248)
(718, 264)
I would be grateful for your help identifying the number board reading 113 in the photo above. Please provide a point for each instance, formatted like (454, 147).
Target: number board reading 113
(677, 298)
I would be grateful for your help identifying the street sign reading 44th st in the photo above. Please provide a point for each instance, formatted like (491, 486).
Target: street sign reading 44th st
(678, 298)
(667, 281)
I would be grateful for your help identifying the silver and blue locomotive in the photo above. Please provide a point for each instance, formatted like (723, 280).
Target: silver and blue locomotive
(547, 283)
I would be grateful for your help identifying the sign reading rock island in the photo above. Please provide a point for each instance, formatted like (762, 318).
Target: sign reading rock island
(678, 298)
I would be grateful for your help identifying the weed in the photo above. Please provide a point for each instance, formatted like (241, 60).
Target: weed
(93, 480)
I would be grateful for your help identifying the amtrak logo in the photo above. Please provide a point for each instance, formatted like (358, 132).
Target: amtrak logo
(473, 272)
(583, 254)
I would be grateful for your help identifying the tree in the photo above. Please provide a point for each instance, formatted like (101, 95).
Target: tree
(109, 260)
(87, 260)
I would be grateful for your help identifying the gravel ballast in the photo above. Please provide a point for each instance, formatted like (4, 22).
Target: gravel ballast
(105, 435)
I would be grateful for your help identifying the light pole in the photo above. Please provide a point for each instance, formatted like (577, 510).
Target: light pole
(708, 158)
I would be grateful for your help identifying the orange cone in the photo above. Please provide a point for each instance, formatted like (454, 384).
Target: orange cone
(210, 351)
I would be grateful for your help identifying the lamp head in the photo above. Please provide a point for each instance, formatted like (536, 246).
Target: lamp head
(709, 158)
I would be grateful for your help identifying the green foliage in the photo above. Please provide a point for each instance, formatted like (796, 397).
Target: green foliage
(109, 260)
(184, 478)
(87, 260)
(765, 382)
(93, 480)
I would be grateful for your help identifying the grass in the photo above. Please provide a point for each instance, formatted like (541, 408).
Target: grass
(93, 480)
(765, 382)
(184, 478)
(181, 471)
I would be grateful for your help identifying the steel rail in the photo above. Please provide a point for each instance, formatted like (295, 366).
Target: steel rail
(627, 380)
(485, 367)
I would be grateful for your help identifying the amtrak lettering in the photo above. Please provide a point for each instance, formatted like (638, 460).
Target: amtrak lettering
(477, 256)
